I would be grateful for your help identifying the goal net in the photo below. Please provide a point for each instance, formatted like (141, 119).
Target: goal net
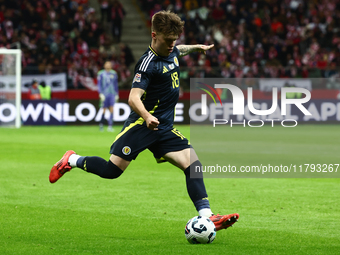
(10, 87)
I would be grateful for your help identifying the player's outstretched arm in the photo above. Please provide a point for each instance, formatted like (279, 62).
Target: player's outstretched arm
(187, 49)
(138, 107)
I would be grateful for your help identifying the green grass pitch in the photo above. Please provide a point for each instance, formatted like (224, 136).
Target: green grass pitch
(146, 209)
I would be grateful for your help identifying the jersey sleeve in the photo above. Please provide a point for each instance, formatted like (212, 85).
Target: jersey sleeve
(143, 72)
(141, 80)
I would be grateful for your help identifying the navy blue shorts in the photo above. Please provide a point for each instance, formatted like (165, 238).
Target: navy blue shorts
(134, 138)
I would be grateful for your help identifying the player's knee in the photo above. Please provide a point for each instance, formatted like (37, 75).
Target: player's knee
(194, 170)
(113, 171)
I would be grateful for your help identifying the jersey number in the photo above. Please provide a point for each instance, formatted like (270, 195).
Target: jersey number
(175, 80)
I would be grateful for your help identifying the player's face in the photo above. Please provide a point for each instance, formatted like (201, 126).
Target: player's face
(107, 65)
(163, 44)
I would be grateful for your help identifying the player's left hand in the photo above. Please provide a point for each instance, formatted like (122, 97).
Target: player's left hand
(116, 98)
(152, 122)
(203, 48)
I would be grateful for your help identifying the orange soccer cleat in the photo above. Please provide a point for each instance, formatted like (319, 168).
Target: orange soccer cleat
(224, 221)
(61, 167)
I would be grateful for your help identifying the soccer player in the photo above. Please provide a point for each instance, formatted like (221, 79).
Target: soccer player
(107, 80)
(153, 97)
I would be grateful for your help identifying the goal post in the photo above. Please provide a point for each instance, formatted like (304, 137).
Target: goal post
(10, 73)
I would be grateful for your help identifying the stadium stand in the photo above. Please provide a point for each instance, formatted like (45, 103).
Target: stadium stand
(259, 38)
(61, 36)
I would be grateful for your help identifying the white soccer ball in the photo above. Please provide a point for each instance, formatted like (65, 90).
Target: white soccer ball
(200, 229)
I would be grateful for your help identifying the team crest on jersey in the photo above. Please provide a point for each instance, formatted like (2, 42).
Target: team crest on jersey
(111, 76)
(176, 61)
(126, 150)
(171, 66)
(137, 77)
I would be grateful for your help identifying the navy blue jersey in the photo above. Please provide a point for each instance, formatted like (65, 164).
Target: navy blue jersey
(159, 77)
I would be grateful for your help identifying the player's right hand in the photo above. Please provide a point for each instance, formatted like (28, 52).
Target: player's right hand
(152, 122)
(101, 97)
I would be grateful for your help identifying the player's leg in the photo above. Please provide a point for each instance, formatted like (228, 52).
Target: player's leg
(175, 148)
(106, 169)
(172, 146)
(133, 139)
(188, 161)
(107, 103)
(110, 129)
(102, 120)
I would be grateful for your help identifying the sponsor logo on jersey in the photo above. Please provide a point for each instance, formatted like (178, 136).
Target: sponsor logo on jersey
(176, 61)
(126, 150)
(171, 66)
(165, 69)
(137, 77)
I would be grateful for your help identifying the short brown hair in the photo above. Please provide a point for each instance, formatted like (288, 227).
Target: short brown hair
(167, 22)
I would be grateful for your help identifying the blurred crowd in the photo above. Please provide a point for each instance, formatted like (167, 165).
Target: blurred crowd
(258, 38)
(62, 36)
(253, 38)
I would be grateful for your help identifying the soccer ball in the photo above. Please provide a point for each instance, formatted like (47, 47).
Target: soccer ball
(200, 229)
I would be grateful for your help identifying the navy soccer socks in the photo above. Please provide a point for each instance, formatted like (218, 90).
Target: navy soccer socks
(100, 167)
(196, 188)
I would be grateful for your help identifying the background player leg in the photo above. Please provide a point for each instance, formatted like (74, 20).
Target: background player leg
(102, 120)
(110, 121)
